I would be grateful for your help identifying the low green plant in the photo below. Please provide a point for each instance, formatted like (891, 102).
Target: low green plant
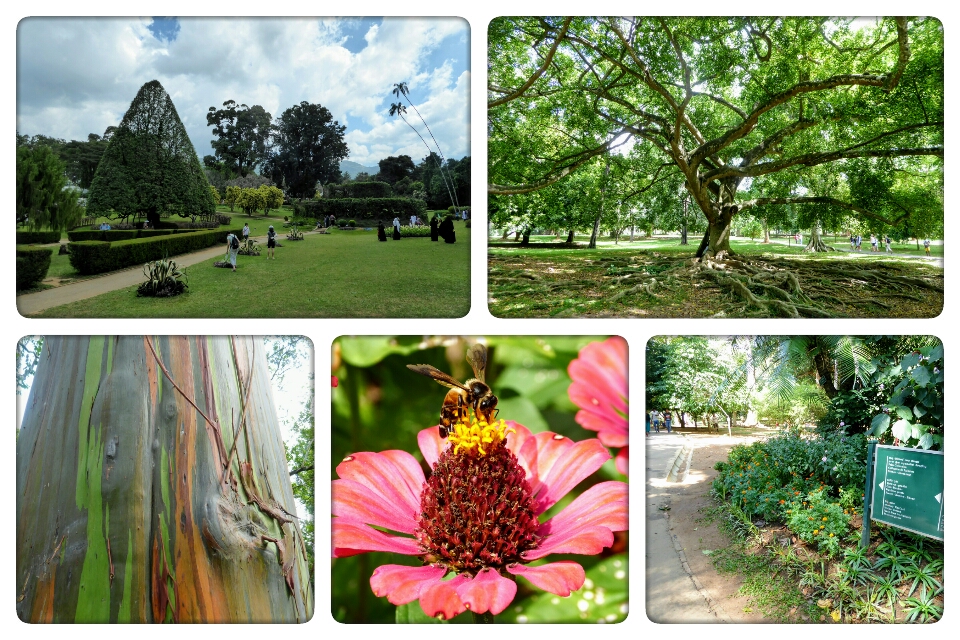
(164, 279)
(886, 588)
(818, 520)
(921, 576)
(249, 247)
(923, 608)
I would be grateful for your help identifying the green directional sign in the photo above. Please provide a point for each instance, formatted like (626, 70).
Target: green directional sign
(908, 490)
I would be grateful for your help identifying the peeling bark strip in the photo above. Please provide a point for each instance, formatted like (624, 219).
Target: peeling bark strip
(275, 511)
(115, 456)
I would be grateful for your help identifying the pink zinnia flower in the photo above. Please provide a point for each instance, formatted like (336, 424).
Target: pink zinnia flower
(477, 516)
(599, 388)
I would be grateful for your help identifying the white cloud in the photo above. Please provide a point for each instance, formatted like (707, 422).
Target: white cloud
(78, 76)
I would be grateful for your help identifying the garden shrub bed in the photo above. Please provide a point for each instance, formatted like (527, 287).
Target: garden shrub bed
(113, 235)
(415, 232)
(32, 265)
(92, 257)
(360, 190)
(38, 237)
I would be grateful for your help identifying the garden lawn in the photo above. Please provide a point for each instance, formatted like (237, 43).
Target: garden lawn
(346, 274)
(658, 278)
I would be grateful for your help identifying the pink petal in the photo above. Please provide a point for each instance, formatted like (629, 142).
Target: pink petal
(394, 476)
(350, 538)
(402, 584)
(623, 460)
(357, 502)
(603, 365)
(611, 432)
(590, 395)
(440, 599)
(488, 591)
(586, 525)
(568, 469)
(431, 444)
(585, 541)
(560, 578)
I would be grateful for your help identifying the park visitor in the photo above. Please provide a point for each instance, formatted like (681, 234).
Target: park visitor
(381, 232)
(434, 235)
(271, 243)
(886, 241)
(246, 232)
(926, 245)
(233, 245)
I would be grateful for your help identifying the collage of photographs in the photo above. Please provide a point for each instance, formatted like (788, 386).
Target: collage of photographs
(742, 216)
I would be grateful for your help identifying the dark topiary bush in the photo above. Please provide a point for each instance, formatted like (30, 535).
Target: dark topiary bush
(32, 265)
(360, 190)
(362, 208)
(38, 237)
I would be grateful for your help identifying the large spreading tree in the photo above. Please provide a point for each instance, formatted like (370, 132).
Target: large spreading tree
(43, 198)
(743, 111)
(308, 147)
(243, 135)
(150, 166)
(152, 486)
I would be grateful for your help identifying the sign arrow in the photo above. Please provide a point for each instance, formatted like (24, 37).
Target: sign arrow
(939, 497)
(881, 486)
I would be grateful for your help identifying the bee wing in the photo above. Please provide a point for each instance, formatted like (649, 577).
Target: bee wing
(441, 377)
(477, 357)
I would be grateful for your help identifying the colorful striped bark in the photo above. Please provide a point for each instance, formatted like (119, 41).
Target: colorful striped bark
(152, 486)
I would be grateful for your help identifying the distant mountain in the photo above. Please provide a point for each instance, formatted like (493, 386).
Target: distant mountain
(353, 168)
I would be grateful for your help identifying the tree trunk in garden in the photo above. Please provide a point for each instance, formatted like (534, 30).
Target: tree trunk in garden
(816, 243)
(570, 237)
(127, 509)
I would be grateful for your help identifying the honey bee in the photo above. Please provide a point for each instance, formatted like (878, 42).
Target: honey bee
(474, 393)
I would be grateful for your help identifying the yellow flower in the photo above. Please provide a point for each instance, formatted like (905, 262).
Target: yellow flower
(831, 535)
(824, 519)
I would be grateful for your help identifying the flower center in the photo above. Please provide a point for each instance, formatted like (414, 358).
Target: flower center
(476, 510)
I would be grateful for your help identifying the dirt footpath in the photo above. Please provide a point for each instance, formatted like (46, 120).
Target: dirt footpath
(689, 501)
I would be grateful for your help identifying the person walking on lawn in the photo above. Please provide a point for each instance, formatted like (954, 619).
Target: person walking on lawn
(271, 243)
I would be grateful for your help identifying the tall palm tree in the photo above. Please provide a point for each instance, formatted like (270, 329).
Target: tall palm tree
(401, 89)
(397, 109)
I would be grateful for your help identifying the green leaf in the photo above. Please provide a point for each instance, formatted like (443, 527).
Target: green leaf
(902, 430)
(524, 411)
(919, 411)
(879, 424)
(921, 375)
(604, 596)
(364, 352)
(910, 360)
(926, 441)
(412, 613)
(936, 353)
(904, 412)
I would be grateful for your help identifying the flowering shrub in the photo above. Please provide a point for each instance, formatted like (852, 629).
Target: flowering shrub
(818, 520)
(764, 477)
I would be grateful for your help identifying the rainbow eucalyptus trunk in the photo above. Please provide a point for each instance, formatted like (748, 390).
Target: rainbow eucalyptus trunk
(152, 486)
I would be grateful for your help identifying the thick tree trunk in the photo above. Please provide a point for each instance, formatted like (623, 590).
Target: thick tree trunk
(816, 243)
(718, 239)
(766, 232)
(141, 499)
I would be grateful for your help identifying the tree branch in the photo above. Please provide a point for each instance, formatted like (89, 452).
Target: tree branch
(866, 213)
(539, 72)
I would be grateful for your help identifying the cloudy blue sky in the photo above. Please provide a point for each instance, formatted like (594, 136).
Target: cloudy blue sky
(78, 75)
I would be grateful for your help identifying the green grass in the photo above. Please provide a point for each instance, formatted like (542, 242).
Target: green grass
(345, 274)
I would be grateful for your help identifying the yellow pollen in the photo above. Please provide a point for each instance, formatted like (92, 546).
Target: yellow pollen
(476, 435)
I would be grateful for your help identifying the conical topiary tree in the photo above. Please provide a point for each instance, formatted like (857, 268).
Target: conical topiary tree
(150, 165)
(152, 486)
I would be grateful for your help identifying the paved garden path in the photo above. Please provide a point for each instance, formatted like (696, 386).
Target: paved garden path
(33, 303)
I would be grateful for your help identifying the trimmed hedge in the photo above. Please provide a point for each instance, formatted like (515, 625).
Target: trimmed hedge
(32, 265)
(360, 190)
(153, 233)
(38, 237)
(362, 208)
(91, 256)
(415, 232)
(113, 235)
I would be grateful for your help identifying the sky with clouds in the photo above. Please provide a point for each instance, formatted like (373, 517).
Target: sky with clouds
(77, 76)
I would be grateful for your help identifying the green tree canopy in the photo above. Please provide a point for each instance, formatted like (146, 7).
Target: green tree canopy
(150, 165)
(43, 198)
(395, 168)
(308, 148)
(741, 109)
(242, 136)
